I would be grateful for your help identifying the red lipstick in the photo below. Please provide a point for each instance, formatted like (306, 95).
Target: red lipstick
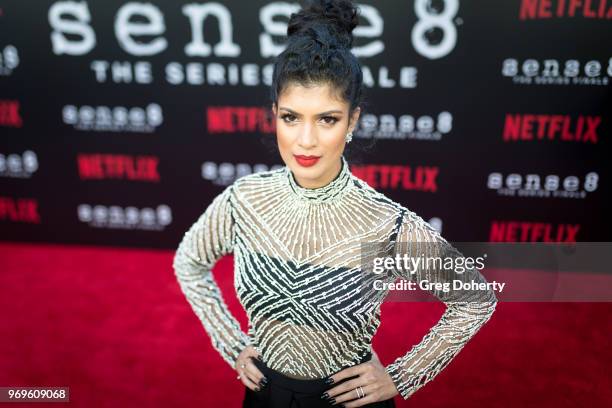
(306, 161)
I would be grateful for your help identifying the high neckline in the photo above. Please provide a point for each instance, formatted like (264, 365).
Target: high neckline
(332, 191)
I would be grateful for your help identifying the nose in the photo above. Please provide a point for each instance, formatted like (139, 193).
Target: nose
(307, 138)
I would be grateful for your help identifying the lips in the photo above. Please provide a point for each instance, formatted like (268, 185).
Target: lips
(306, 161)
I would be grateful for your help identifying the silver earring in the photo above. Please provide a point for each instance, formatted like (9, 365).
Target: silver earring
(349, 137)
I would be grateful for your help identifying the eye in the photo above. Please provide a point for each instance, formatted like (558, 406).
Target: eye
(287, 115)
(332, 119)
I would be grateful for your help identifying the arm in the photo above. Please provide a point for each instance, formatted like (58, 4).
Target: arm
(207, 240)
(465, 313)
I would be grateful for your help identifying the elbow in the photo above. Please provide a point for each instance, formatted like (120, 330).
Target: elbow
(178, 264)
(490, 305)
(485, 306)
(492, 298)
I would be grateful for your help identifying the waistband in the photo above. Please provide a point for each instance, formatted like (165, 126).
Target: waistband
(312, 386)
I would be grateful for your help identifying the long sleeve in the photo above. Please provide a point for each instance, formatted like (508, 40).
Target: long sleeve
(465, 312)
(207, 240)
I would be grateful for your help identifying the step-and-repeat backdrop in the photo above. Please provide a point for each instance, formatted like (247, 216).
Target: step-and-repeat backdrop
(121, 120)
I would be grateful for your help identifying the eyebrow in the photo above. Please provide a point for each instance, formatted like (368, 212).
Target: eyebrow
(319, 114)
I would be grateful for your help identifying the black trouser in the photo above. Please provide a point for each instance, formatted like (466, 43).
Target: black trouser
(286, 392)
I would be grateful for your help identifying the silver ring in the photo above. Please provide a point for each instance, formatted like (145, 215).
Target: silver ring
(242, 366)
(362, 393)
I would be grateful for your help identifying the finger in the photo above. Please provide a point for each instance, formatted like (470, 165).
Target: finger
(255, 373)
(247, 381)
(246, 376)
(356, 394)
(347, 386)
(347, 373)
(253, 352)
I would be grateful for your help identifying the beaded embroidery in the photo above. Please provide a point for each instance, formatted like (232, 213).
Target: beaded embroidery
(297, 267)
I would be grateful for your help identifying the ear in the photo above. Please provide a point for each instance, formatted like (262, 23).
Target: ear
(274, 108)
(354, 119)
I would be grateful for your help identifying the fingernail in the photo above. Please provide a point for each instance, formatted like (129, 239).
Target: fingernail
(324, 395)
(257, 388)
(259, 357)
(263, 382)
(329, 380)
(332, 400)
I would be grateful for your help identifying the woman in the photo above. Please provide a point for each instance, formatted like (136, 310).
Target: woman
(297, 233)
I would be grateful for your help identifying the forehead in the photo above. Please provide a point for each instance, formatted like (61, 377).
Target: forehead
(313, 98)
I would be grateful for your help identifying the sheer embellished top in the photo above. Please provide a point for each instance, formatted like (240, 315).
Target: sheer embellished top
(298, 255)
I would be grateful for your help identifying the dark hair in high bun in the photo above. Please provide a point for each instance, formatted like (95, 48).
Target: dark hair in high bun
(319, 51)
(340, 16)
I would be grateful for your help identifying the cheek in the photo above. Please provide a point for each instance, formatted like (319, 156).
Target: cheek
(284, 139)
(281, 134)
(333, 140)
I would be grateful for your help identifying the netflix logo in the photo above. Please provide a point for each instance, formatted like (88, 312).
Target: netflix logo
(527, 231)
(546, 9)
(118, 167)
(19, 210)
(419, 178)
(239, 119)
(563, 128)
(9, 113)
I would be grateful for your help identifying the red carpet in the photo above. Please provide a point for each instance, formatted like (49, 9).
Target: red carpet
(112, 325)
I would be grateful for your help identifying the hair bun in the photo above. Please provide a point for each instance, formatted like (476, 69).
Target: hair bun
(342, 15)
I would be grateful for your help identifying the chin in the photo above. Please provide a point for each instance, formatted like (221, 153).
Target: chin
(307, 173)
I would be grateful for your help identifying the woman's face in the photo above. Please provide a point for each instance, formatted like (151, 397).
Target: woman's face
(312, 122)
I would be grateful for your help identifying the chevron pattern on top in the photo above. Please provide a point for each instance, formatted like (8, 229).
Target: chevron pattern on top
(298, 256)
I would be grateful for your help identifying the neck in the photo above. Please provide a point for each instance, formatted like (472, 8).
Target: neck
(335, 187)
(331, 175)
